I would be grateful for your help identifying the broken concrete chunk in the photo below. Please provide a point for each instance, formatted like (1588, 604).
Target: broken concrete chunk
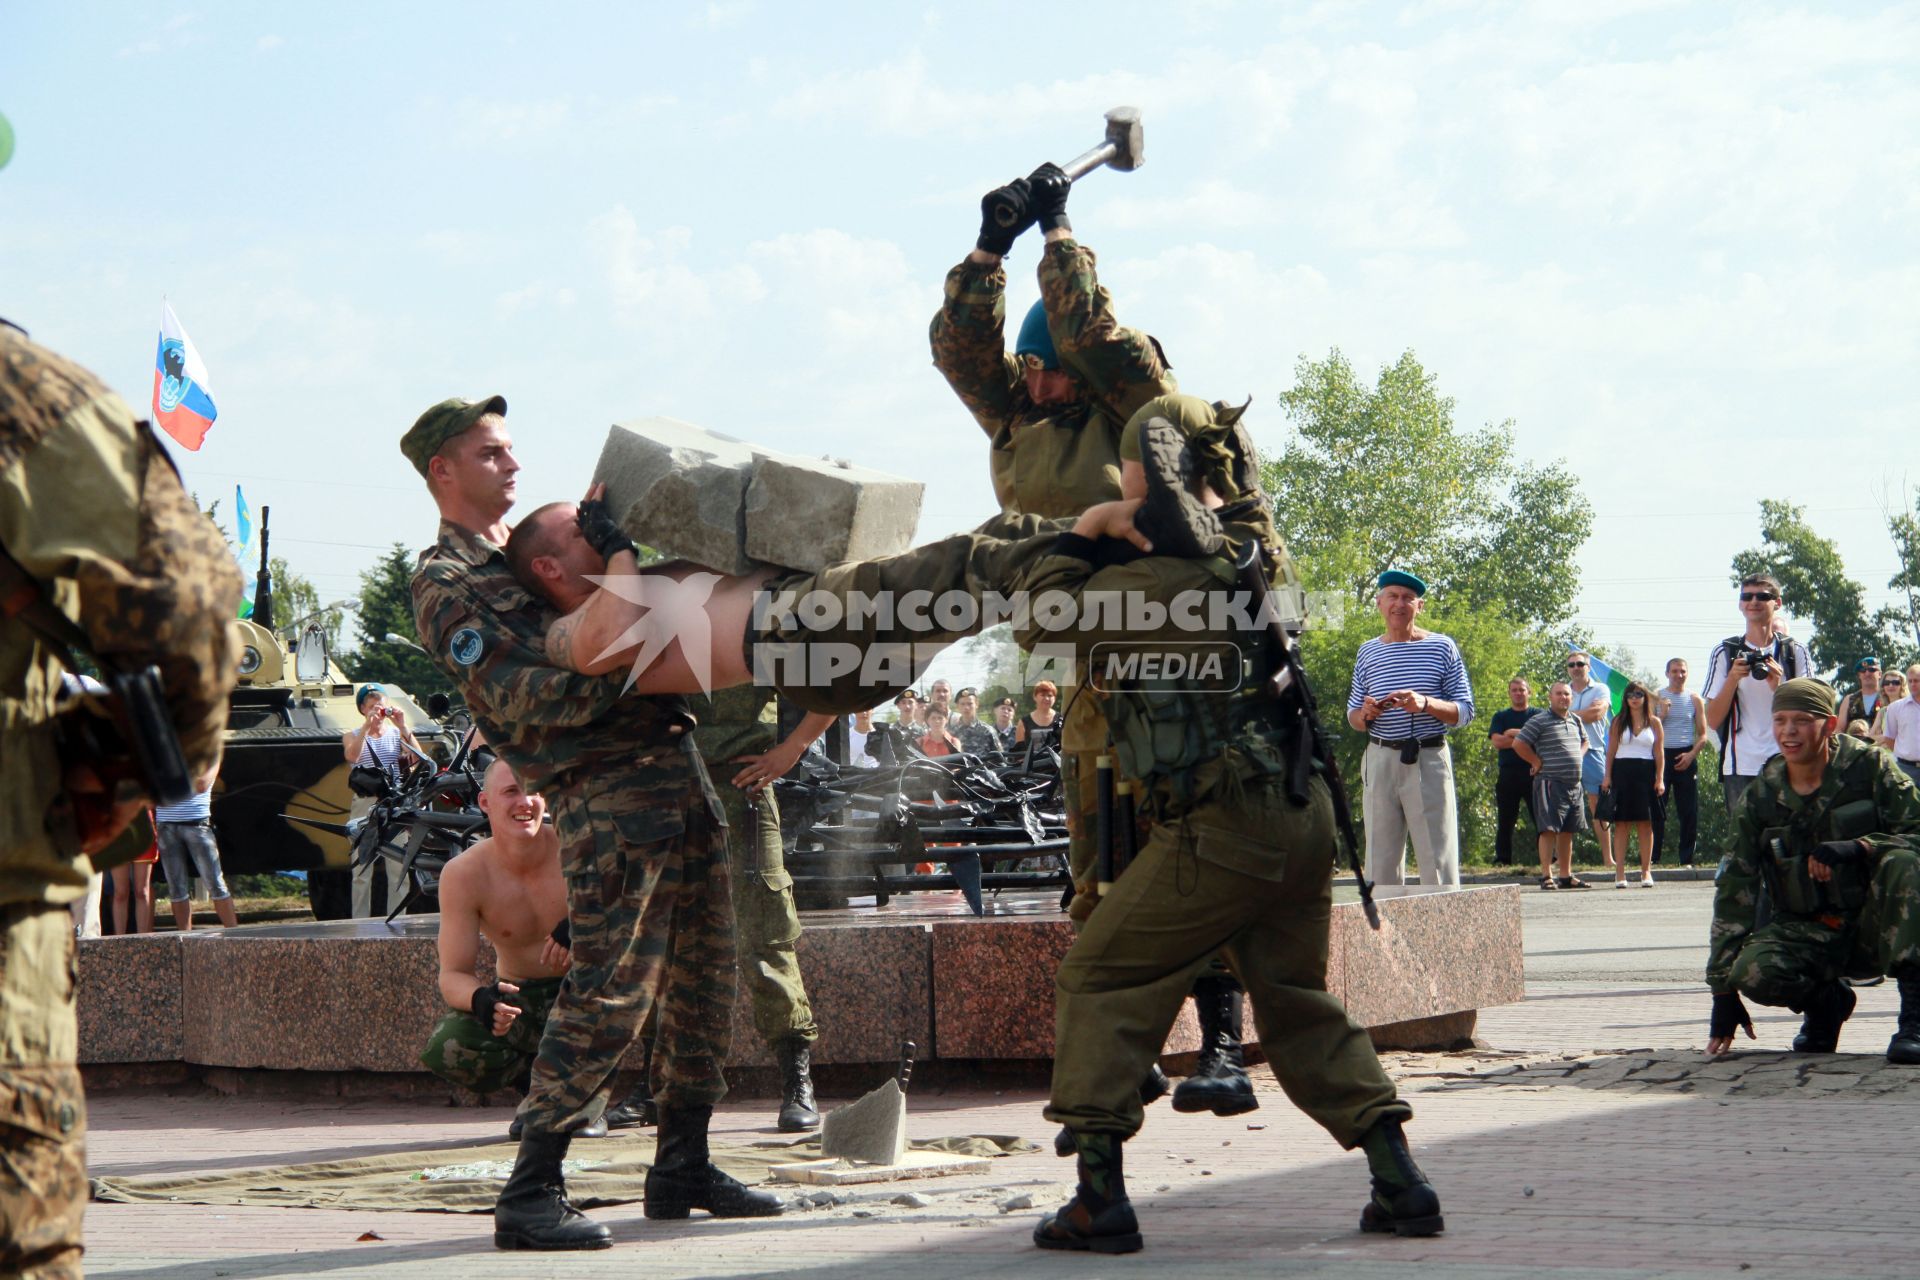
(872, 1129)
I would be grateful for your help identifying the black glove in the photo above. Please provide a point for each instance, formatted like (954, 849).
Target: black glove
(563, 932)
(1004, 213)
(1838, 852)
(602, 532)
(1050, 186)
(1729, 1013)
(484, 998)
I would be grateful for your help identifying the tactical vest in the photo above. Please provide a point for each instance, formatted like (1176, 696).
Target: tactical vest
(1167, 733)
(1788, 835)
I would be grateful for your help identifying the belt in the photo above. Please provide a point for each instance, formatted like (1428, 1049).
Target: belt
(186, 822)
(1401, 744)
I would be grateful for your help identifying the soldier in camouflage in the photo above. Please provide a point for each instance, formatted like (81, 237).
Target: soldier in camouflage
(1831, 830)
(1231, 860)
(647, 888)
(1053, 413)
(93, 513)
(738, 725)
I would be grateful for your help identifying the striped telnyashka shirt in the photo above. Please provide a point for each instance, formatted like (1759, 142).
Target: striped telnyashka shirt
(1430, 665)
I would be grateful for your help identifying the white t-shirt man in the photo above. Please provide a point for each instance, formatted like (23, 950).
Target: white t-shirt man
(1750, 745)
(1902, 724)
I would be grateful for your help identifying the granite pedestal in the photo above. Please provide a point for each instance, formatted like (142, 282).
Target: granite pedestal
(360, 996)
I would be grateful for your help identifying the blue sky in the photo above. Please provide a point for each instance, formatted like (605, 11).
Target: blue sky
(1675, 243)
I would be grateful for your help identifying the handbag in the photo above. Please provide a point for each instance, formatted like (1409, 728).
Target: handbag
(1604, 806)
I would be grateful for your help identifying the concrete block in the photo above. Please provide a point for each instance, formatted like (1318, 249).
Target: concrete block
(807, 514)
(724, 504)
(873, 1128)
(679, 489)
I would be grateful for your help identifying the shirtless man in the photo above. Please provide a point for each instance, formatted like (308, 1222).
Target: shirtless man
(507, 888)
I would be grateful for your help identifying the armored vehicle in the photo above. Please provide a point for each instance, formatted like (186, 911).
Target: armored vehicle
(289, 715)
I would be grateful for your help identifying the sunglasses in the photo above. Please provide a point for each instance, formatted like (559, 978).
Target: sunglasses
(1749, 596)
(1576, 666)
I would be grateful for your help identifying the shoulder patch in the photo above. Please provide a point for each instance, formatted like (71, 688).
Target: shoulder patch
(466, 646)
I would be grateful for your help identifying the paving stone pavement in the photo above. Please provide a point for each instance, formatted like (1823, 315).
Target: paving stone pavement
(1590, 1140)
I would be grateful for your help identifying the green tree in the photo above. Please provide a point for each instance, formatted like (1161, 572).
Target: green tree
(1904, 528)
(294, 595)
(1380, 477)
(1814, 582)
(386, 608)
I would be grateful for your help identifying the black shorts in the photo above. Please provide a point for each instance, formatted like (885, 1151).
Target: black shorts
(1558, 805)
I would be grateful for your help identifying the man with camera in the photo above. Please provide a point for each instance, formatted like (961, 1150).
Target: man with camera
(1742, 673)
(106, 557)
(1829, 831)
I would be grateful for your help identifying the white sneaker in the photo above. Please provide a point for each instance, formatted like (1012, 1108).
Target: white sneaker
(1646, 881)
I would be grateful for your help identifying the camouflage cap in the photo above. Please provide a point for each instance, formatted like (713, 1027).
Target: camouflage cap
(432, 429)
(1804, 693)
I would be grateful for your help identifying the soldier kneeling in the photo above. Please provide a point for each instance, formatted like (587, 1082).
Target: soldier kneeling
(1831, 830)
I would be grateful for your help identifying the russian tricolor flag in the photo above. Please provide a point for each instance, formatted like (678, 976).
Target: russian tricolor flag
(182, 400)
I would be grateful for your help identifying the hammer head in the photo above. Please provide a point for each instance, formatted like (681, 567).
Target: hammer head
(1124, 134)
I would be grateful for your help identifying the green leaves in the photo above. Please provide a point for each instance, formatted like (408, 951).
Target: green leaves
(386, 605)
(1377, 478)
(1816, 586)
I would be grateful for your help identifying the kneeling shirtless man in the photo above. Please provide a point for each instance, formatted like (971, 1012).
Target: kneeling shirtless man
(507, 888)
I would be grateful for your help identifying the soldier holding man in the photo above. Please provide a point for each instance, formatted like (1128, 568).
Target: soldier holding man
(1233, 858)
(110, 558)
(1053, 412)
(1831, 829)
(647, 885)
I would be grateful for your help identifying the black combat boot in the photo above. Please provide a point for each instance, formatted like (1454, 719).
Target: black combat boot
(1404, 1202)
(1219, 1081)
(1099, 1217)
(1171, 516)
(1823, 1014)
(1153, 1087)
(532, 1212)
(797, 1111)
(684, 1177)
(1904, 1050)
(636, 1110)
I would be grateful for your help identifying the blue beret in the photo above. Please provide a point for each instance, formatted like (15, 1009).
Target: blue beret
(367, 691)
(1036, 339)
(1398, 578)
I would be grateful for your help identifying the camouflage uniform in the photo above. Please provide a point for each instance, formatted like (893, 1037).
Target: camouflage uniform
(737, 722)
(1864, 922)
(786, 654)
(466, 1052)
(1052, 460)
(647, 887)
(1229, 864)
(92, 509)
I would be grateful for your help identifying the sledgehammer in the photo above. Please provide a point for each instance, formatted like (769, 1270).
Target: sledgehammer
(1125, 148)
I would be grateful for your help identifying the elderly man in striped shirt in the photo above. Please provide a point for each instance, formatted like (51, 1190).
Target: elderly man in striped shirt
(1409, 688)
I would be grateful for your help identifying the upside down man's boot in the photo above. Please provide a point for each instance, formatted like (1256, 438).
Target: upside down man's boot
(1904, 1049)
(532, 1212)
(1404, 1202)
(1823, 1014)
(1099, 1218)
(1219, 1081)
(684, 1176)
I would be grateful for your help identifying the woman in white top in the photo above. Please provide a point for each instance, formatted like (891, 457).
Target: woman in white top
(1635, 775)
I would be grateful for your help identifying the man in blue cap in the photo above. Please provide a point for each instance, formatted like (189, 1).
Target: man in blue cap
(1409, 689)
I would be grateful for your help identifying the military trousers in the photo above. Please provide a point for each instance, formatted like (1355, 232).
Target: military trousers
(766, 922)
(466, 1052)
(43, 1113)
(1252, 875)
(853, 635)
(651, 913)
(1784, 960)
